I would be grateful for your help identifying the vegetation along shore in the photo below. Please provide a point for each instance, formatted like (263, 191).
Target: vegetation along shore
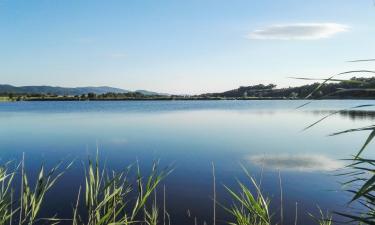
(354, 88)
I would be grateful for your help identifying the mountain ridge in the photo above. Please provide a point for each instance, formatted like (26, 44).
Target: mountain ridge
(58, 90)
(355, 87)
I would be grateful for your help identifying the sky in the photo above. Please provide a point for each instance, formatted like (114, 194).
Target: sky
(182, 47)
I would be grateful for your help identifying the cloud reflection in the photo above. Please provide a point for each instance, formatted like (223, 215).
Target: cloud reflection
(300, 162)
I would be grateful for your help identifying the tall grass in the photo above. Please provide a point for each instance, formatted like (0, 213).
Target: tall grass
(33, 197)
(323, 219)
(361, 174)
(109, 197)
(6, 195)
(24, 208)
(361, 185)
(249, 208)
(112, 198)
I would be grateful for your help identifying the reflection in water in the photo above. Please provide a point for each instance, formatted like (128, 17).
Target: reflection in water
(302, 162)
(351, 114)
(191, 133)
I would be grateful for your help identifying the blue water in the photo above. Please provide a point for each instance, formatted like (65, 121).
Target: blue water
(264, 136)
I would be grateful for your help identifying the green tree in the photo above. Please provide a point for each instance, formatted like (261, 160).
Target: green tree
(91, 95)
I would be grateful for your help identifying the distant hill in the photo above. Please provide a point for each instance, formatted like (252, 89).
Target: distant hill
(64, 90)
(353, 88)
(244, 91)
(145, 92)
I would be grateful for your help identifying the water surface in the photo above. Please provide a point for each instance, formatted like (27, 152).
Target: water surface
(262, 135)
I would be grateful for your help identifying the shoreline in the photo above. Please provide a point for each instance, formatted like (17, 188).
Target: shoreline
(63, 99)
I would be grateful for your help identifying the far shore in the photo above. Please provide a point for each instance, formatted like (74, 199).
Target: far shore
(165, 98)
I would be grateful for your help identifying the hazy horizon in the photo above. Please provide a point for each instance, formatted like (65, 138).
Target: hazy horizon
(187, 47)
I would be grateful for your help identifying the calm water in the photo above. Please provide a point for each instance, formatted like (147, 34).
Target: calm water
(192, 134)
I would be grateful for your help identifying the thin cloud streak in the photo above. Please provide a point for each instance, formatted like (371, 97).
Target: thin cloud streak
(298, 31)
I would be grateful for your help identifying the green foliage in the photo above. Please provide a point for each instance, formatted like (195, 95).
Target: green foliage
(324, 219)
(24, 209)
(108, 196)
(6, 195)
(152, 216)
(361, 184)
(249, 208)
(322, 88)
(104, 196)
(361, 175)
(32, 198)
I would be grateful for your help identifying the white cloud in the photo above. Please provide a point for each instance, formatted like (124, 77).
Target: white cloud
(298, 31)
(300, 162)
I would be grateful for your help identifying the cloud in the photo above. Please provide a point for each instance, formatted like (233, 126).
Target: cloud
(299, 31)
(301, 162)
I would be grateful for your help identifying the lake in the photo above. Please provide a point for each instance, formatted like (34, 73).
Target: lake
(264, 136)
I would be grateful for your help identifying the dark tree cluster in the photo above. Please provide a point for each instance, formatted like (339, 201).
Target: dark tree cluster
(353, 88)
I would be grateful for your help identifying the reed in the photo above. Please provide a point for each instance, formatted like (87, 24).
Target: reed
(214, 193)
(324, 219)
(109, 195)
(361, 171)
(32, 198)
(249, 208)
(25, 208)
(6, 195)
(361, 185)
(114, 198)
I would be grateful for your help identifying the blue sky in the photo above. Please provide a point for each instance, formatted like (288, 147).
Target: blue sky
(173, 46)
